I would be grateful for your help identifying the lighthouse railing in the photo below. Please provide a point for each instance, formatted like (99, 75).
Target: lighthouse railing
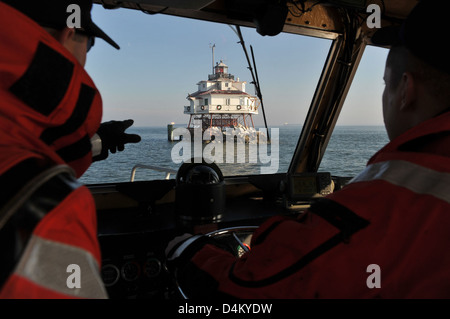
(220, 76)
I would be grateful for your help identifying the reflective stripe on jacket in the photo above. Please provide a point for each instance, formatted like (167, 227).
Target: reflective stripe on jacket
(64, 237)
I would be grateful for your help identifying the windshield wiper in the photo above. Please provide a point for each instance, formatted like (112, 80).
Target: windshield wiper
(254, 75)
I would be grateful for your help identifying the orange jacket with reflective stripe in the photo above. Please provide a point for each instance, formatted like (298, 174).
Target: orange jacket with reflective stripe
(384, 235)
(49, 110)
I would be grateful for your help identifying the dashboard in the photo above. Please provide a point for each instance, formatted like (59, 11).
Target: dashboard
(136, 221)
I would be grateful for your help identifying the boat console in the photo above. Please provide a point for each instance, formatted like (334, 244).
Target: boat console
(136, 220)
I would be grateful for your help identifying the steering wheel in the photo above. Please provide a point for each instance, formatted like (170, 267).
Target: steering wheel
(240, 236)
(236, 238)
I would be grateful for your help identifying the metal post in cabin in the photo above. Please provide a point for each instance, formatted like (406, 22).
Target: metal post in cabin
(170, 132)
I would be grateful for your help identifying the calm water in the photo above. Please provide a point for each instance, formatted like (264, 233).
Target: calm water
(348, 151)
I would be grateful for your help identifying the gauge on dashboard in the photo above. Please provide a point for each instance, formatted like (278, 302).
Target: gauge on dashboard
(152, 267)
(130, 271)
(110, 275)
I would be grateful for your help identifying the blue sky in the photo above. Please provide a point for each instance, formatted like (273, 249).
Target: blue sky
(163, 57)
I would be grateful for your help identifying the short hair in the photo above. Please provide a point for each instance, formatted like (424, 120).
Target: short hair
(401, 60)
(55, 32)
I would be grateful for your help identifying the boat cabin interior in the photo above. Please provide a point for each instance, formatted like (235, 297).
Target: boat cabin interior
(136, 219)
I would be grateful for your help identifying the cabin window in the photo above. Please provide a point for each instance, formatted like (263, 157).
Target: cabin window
(359, 131)
(150, 86)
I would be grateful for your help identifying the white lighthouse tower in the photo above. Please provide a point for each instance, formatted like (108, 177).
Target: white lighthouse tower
(221, 102)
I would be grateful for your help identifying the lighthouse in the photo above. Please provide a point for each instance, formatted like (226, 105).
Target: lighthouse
(221, 102)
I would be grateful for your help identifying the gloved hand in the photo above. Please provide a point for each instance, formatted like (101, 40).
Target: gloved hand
(114, 138)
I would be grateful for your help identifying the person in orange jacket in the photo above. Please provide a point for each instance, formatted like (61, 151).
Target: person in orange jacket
(50, 114)
(385, 234)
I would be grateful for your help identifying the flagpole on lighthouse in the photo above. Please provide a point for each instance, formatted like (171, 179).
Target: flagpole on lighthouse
(212, 47)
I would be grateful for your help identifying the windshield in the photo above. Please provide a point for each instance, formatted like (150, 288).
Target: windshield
(163, 59)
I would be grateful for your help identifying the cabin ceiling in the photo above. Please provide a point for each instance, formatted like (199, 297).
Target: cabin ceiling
(321, 18)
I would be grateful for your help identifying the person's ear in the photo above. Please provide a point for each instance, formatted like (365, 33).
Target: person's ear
(65, 35)
(408, 91)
